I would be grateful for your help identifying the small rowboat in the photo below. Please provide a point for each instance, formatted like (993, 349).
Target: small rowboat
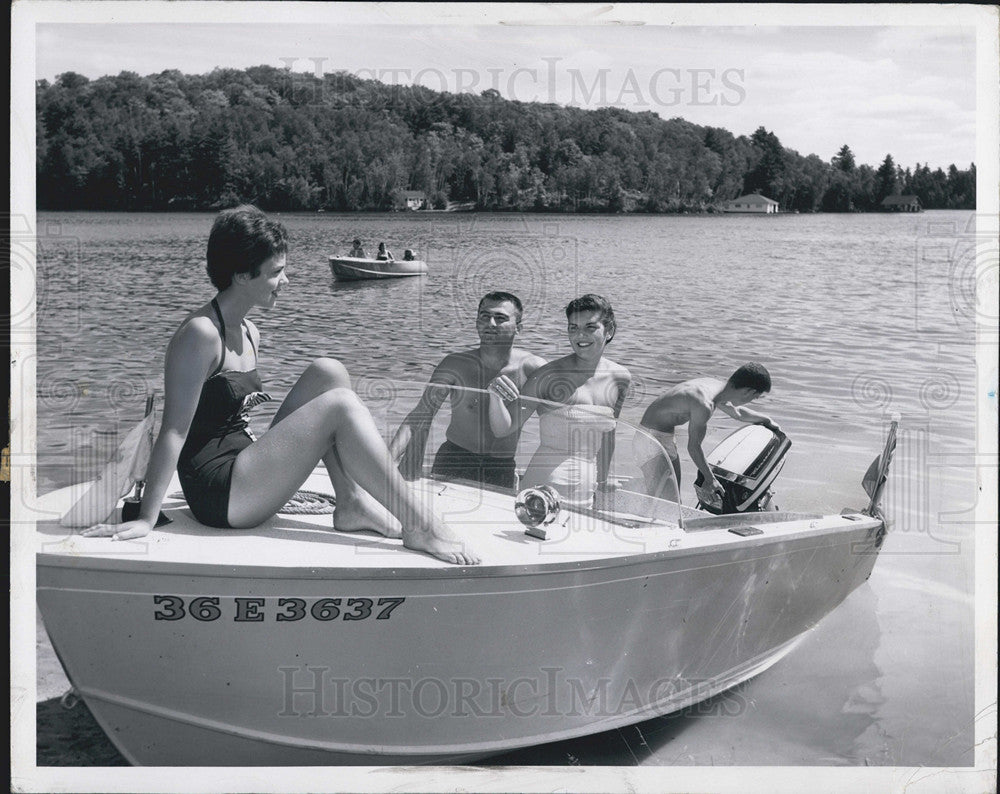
(348, 268)
(291, 644)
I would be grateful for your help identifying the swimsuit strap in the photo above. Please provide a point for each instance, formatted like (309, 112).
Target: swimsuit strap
(250, 339)
(222, 333)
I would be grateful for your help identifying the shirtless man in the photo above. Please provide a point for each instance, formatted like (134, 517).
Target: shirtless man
(695, 401)
(471, 450)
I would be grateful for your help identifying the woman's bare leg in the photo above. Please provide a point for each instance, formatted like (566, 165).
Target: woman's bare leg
(356, 509)
(305, 436)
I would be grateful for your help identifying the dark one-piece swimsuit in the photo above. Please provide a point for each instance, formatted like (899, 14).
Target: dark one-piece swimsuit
(219, 431)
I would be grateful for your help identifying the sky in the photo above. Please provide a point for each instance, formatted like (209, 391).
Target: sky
(909, 91)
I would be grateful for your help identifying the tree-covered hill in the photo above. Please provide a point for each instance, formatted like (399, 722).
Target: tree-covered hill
(289, 141)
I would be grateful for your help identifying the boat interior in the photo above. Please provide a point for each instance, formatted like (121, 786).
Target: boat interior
(561, 509)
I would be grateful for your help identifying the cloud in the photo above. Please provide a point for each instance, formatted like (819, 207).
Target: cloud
(907, 107)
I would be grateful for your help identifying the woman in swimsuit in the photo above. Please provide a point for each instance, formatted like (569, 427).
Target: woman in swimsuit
(577, 440)
(230, 478)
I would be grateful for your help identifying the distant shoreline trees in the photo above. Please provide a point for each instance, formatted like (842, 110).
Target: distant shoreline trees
(290, 141)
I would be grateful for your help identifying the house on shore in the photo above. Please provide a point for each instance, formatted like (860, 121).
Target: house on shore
(901, 204)
(752, 203)
(414, 200)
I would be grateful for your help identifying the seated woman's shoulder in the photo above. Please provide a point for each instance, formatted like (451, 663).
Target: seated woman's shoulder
(529, 361)
(197, 328)
(616, 370)
(548, 368)
(532, 363)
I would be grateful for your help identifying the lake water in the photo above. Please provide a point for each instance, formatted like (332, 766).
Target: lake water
(857, 317)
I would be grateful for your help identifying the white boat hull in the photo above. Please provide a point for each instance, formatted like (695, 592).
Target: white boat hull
(345, 268)
(603, 625)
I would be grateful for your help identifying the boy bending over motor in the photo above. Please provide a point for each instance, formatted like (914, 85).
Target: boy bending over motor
(695, 401)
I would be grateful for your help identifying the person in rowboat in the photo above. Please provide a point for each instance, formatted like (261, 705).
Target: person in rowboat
(695, 401)
(471, 450)
(577, 439)
(358, 251)
(384, 255)
(231, 479)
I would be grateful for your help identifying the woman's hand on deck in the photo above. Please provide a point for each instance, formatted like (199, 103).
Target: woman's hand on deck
(129, 530)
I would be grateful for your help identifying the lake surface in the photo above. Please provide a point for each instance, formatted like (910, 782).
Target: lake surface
(857, 317)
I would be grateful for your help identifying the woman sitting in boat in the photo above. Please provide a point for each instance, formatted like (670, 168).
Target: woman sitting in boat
(383, 254)
(357, 251)
(577, 439)
(231, 479)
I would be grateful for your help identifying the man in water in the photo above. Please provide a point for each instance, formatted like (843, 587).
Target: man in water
(696, 401)
(471, 451)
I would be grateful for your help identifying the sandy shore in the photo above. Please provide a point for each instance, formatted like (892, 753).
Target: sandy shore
(65, 737)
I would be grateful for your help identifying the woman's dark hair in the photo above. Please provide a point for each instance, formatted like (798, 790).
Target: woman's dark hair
(241, 240)
(751, 376)
(591, 303)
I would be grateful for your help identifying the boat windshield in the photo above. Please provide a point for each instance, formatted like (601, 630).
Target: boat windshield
(579, 455)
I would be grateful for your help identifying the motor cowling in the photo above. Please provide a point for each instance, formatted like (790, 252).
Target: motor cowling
(746, 463)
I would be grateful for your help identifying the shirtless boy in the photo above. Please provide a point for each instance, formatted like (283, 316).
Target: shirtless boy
(471, 450)
(695, 401)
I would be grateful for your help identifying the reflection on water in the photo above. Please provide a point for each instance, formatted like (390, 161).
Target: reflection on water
(852, 315)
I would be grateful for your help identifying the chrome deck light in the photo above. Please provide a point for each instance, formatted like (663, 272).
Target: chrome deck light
(537, 508)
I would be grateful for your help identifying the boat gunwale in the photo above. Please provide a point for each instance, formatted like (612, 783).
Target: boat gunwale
(83, 561)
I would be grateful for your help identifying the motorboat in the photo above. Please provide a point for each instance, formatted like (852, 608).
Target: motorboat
(292, 644)
(348, 268)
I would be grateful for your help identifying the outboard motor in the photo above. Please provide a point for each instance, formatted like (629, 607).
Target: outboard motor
(745, 462)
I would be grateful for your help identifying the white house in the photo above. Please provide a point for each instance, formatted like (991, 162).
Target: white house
(414, 199)
(753, 202)
(901, 204)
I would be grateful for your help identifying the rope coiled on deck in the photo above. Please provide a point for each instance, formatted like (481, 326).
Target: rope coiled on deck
(309, 503)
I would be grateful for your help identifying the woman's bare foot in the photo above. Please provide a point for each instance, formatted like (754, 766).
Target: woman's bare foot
(438, 540)
(359, 511)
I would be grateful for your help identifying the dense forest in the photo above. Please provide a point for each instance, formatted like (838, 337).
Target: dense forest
(291, 141)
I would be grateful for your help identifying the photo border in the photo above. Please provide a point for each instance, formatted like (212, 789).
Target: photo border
(27, 777)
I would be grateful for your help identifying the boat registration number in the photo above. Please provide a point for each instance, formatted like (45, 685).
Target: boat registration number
(256, 610)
